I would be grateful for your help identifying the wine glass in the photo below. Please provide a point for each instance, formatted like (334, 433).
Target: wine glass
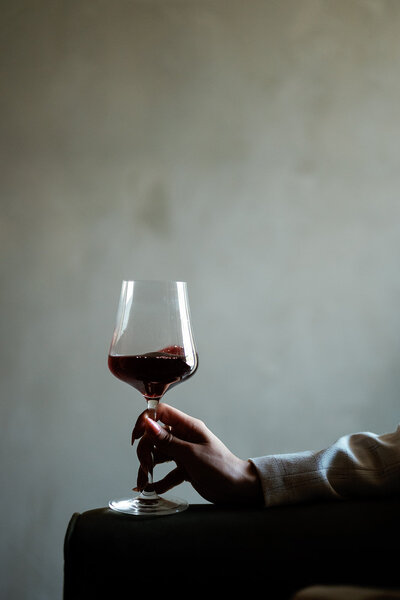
(152, 349)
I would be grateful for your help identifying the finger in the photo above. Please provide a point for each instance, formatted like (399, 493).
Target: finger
(139, 427)
(162, 438)
(183, 426)
(172, 479)
(141, 479)
(164, 441)
(144, 453)
(148, 454)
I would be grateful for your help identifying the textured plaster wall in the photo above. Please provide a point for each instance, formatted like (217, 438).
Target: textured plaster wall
(249, 148)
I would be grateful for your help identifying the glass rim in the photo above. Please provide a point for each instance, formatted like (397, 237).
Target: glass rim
(153, 281)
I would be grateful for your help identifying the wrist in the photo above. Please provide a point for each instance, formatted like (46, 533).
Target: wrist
(255, 483)
(251, 484)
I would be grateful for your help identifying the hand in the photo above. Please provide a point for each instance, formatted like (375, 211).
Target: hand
(201, 458)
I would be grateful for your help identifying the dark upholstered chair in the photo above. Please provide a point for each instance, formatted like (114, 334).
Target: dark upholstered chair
(208, 548)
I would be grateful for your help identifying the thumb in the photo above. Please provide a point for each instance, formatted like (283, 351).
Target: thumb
(163, 439)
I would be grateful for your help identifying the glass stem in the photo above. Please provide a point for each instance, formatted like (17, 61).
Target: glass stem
(148, 493)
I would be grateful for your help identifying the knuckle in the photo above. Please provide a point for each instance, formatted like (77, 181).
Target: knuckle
(198, 427)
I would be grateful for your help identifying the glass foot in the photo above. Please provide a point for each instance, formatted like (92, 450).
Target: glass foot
(149, 505)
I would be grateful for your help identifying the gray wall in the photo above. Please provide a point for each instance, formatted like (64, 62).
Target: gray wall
(250, 148)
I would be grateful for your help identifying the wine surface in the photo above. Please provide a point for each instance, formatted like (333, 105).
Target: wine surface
(152, 374)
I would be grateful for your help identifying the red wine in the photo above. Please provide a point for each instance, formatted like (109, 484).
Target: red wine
(152, 374)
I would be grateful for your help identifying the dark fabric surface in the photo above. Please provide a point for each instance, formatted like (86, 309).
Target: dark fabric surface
(208, 548)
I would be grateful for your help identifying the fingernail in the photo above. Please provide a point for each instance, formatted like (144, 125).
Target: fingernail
(155, 427)
(133, 437)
